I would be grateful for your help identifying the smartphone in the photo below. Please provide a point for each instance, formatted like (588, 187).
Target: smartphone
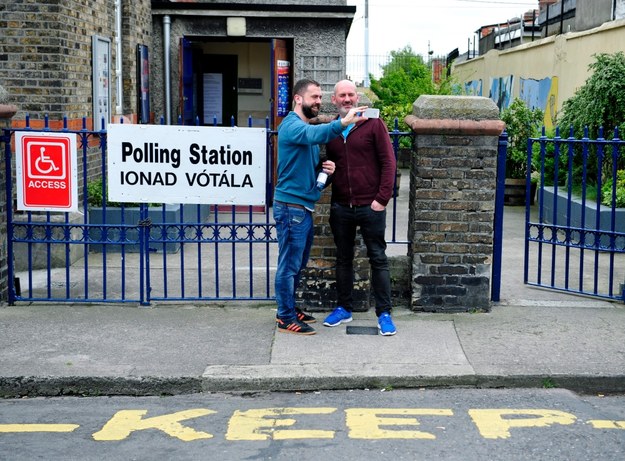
(372, 113)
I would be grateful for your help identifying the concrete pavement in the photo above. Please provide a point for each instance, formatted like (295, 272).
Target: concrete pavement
(532, 338)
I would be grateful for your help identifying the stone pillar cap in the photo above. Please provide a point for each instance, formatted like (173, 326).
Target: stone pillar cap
(7, 110)
(455, 108)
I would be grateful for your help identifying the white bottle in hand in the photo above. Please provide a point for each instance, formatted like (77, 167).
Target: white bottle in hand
(322, 177)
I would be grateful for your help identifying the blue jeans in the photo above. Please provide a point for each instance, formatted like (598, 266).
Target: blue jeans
(295, 231)
(344, 220)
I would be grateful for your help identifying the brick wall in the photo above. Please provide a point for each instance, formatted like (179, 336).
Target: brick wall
(452, 196)
(46, 55)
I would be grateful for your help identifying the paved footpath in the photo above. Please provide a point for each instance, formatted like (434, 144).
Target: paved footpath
(57, 350)
(532, 338)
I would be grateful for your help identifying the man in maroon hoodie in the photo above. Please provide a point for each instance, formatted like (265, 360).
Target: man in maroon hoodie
(362, 186)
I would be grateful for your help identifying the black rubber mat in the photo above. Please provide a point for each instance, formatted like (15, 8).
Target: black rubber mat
(354, 330)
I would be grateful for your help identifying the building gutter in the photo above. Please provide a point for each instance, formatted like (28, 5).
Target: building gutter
(167, 65)
(119, 84)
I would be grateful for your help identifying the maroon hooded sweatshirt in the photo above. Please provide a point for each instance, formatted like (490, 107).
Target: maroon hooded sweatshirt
(365, 165)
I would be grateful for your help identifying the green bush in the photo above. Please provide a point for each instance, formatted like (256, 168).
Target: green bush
(600, 102)
(521, 123)
(406, 77)
(94, 192)
(397, 111)
(606, 190)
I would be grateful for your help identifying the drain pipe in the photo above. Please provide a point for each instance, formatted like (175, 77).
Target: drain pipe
(167, 67)
(119, 107)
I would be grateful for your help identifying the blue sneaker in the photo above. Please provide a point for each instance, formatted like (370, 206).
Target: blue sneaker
(385, 325)
(338, 316)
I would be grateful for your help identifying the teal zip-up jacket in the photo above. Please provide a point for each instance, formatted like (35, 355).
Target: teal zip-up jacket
(298, 159)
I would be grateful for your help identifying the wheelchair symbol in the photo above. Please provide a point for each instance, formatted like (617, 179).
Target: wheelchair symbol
(44, 159)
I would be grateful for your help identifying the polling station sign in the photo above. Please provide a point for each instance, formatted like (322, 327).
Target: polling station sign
(186, 164)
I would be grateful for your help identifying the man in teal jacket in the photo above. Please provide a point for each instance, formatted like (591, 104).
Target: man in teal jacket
(296, 194)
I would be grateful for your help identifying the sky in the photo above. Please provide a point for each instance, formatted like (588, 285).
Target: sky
(443, 24)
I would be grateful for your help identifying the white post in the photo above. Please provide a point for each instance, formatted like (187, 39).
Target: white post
(119, 85)
(167, 67)
(366, 43)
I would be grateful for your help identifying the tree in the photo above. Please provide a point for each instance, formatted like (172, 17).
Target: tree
(521, 123)
(404, 78)
(601, 100)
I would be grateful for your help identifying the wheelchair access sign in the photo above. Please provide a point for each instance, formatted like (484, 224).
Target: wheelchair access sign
(46, 171)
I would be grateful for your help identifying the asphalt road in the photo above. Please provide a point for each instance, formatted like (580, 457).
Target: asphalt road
(455, 424)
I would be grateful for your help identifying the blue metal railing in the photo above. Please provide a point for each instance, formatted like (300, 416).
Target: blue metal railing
(574, 243)
(107, 261)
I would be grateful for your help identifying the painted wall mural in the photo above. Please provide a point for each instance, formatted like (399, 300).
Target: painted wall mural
(501, 91)
(542, 94)
(473, 88)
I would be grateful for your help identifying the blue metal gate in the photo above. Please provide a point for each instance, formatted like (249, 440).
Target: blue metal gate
(575, 236)
(128, 254)
(136, 254)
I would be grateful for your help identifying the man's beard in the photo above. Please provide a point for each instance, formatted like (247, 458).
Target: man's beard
(343, 111)
(310, 111)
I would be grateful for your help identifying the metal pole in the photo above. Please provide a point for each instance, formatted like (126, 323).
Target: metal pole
(119, 84)
(495, 295)
(6, 142)
(167, 68)
(366, 43)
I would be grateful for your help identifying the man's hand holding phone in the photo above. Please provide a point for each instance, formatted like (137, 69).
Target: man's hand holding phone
(355, 115)
(370, 112)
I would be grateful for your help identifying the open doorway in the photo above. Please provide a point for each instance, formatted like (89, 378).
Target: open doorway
(217, 92)
(224, 81)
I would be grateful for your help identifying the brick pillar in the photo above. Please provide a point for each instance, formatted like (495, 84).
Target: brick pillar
(6, 113)
(452, 202)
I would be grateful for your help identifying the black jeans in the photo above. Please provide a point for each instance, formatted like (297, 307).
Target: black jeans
(343, 221)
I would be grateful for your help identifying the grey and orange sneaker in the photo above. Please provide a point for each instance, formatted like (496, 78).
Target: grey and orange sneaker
(304, 317)
(295, 327)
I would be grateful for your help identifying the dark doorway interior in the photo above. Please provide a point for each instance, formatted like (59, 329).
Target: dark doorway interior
(217, 85)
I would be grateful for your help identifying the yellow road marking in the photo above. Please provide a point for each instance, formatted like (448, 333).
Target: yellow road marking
(7, 428)
(492, 424)
(125, 422)
(364, 423)
(262, 424)
(606, 424)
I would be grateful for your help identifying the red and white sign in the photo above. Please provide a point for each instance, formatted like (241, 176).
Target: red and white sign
(46, 172)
